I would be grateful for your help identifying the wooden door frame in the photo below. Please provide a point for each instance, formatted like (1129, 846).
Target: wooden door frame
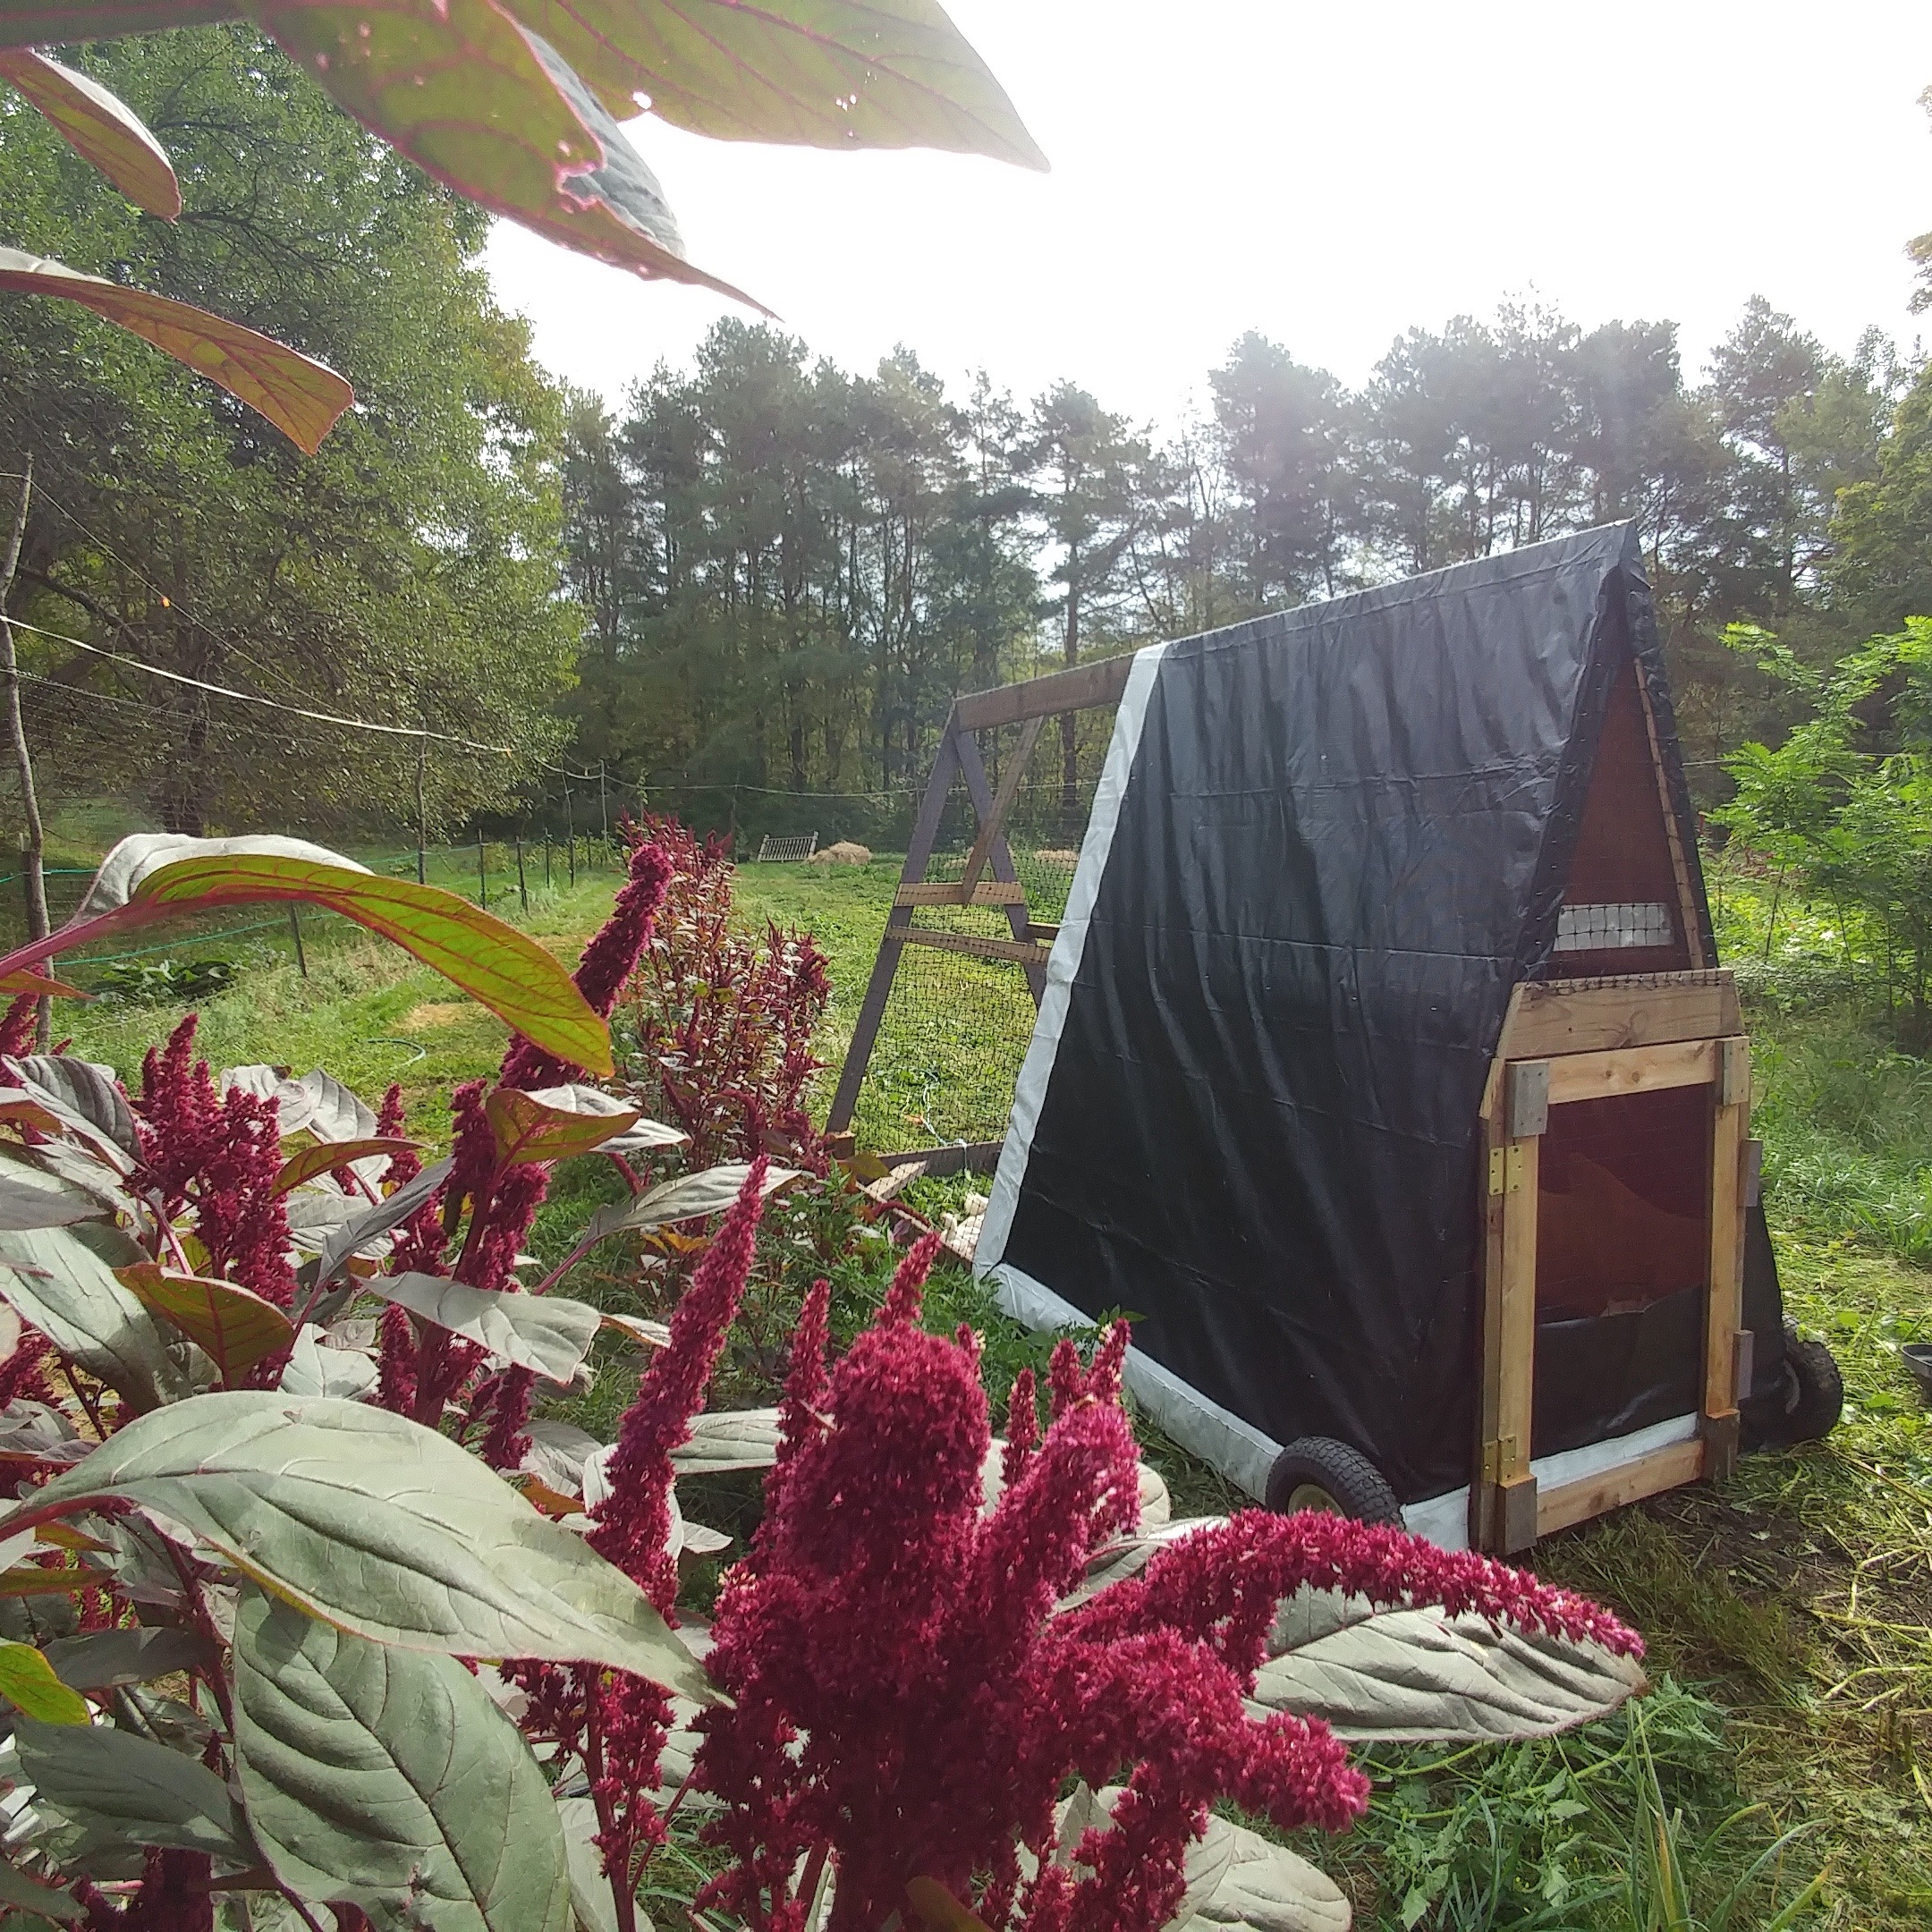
(1562, 1042)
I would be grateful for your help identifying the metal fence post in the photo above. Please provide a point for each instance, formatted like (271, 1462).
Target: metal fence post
(294, 926)
(522, 889)
(547, 859)
(482, 874)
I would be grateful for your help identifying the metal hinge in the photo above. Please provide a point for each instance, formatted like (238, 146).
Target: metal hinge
(1506, 1170)
(1498, 1455)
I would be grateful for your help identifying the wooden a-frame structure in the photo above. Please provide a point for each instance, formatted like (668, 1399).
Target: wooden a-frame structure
(989, 878)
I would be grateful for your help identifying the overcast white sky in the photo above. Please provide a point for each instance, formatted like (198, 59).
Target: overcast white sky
(1329, 175)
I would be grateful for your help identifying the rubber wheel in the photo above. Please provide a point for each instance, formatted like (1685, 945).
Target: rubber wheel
(1316, 1472)
(1814, 1396)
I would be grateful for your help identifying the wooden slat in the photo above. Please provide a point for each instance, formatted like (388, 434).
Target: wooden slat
(1629, 1482)
(1019, 952)
(1632, 1070)
(1725, 1308)
(1045, 931)
(1553, 1018)
(994, 825)
(952, 893)
(970, 1156)
(1080, 689)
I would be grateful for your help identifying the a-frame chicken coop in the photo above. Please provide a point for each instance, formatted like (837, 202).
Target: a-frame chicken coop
(1383, 1066)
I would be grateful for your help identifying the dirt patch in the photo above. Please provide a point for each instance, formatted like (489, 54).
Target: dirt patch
(434, 1013)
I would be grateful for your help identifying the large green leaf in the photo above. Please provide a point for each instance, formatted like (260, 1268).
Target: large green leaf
(709, 1192)
(642, 1134)
(546, 1332)
(326, 1156)
(1411, 1675)
(590, 1890)
(29, 1198)
(41, 1902)
(459, 87)
(832, 73)
(99, 128)
(84, 1095)
(1235, 1877)
(529, 1129)
(28, 1682)
(104, 1660)
(61, 1280)
(375, 1524)
(299, 395)
(157, 876)
(234, 1324)
(390, 1780)
(315, 1370)
(122, 1789)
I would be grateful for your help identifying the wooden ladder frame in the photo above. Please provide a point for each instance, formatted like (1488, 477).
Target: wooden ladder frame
(1083, 688)
(1589, 1040)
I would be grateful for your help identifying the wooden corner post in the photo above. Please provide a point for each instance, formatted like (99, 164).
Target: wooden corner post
(1503, 1499)
(1725, 1310)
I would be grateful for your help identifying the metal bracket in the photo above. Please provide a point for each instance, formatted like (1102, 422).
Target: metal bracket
(1506, 1170)
(1529, 1098)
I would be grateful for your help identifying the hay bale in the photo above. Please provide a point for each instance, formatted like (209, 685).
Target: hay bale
(843, 854)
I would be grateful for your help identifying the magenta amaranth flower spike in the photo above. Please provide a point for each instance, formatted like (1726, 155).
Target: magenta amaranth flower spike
(221, 1154)
(17, 1025)
(903, 1693)
(634, 1520)
(607, 961)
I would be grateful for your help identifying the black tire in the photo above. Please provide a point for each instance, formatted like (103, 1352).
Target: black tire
(1817, 1392)
(1807, 1401)
(1318, 1472)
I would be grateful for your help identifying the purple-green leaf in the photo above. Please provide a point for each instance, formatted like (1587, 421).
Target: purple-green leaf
(300, 396)
(458, 87)
(98, 128)
(154, 876)
(826, 73)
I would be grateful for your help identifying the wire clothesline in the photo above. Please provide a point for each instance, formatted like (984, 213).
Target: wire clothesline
(420, 732)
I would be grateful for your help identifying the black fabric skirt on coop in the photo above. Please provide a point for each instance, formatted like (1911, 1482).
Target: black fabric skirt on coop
(1332, 854)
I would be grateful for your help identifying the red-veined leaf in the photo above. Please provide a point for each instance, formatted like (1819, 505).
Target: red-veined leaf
(153, 876)
(98, 128)
(326, 1156)
(31, 1580)
(458, 87)
(299, 395)
(234, 1325)
(830, 73)
(526, 1129)
(20, 985)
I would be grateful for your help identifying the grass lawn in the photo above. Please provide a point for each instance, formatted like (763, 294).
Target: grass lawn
(1789, 1612)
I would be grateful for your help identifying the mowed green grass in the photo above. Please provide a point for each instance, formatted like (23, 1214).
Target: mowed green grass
(1795, 1600)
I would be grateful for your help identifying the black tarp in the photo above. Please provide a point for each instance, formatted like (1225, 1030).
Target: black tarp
(1343, 841)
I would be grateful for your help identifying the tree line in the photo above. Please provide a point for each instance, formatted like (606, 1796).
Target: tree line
(786, 569)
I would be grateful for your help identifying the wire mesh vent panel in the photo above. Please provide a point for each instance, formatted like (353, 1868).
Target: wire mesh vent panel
(1607, 928)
